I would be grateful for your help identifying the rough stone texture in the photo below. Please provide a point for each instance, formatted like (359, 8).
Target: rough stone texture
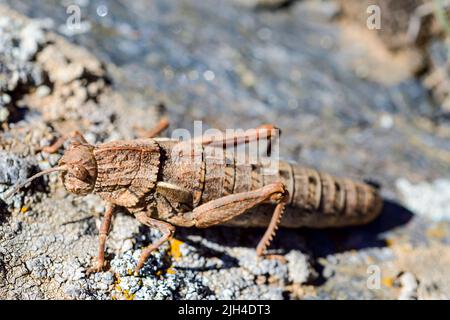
(437, 80)
(345, 102)
(410, 27)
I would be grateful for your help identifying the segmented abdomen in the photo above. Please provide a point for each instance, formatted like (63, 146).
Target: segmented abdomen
(335, 201)
(318, 200)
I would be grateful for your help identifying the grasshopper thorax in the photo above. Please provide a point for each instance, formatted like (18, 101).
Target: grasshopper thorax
(81, 173)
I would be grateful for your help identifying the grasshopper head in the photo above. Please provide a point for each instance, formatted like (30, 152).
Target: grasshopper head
(77, 166)
(81, 168)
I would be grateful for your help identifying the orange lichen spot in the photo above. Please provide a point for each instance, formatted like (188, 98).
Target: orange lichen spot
(388, 282)
(370, 260)
(24, 209)
(175, 248)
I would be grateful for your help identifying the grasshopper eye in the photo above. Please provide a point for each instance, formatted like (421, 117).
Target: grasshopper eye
(81, 169)
(80, 173)
(78, 180)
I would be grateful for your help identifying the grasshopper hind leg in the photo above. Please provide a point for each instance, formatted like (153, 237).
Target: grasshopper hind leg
(271, 229)
(162, 125)
(75, 137)
(225, 208)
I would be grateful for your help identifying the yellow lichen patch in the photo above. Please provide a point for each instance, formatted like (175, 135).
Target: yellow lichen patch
(130, 272)
(387, 281)
(171, 271)
(436, 232)
(24, 209)
(406, 247)
(175, 248)
(124, 293)
(127, 295)
(370, 260)
(390, 242)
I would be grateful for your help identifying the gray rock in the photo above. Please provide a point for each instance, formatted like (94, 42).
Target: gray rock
(13, 168)
(334, 102)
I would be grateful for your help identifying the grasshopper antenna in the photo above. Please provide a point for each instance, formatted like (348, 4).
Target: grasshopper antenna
(20, 185)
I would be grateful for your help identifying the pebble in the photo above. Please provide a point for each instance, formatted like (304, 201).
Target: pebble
(299, 268)
(4, 114)
(43, 91)
(409, 286)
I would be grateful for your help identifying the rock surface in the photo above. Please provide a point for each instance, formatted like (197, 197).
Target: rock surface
(346, 103)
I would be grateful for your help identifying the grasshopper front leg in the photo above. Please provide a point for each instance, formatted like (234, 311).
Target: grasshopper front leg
(225, 208)
(103, 235)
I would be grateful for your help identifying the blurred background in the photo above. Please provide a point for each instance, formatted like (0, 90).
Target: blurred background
(360, 88)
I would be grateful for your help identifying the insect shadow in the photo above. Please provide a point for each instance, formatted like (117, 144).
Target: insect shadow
(322, 243)
(372, 235)
(211, 248)
(316, 243)
(3, 212)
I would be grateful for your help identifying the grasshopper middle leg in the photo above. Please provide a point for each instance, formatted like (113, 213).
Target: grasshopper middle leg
(165, 228)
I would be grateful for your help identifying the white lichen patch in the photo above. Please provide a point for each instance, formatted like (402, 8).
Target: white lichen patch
(428, 199)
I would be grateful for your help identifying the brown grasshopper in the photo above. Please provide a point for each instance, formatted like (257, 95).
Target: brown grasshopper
(164, 186)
